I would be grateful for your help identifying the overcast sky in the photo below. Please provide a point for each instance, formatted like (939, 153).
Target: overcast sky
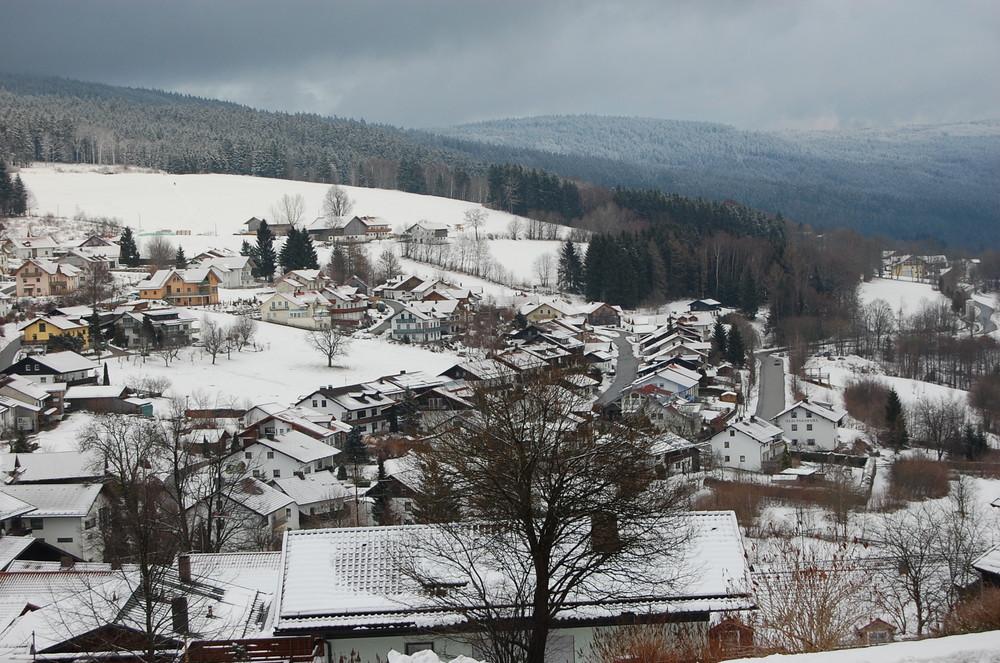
(755, 64)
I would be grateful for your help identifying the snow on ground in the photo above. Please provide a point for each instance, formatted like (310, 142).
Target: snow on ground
(284, 369)
(220, 204)
(906, 295)
(972, 648)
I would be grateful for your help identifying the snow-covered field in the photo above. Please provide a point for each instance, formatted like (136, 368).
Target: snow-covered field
(972, 648)
(907, 296)
(215, 207)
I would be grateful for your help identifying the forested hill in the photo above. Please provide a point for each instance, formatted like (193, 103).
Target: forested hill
(55, 119)
(908, 182)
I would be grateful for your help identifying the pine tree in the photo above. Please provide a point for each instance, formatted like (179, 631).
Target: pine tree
(19, 197)
(289, 257)
(381, 505)
(896, 435)
(128, 253)
(355, 449)
(267, 259)
(570, 272)
(735, 349)
(719, 337)
(180, 260)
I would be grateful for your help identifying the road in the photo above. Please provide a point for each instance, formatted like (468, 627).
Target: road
(624, 372)
(771, 386)
(985, 315)
(382, 326)
(9, 353)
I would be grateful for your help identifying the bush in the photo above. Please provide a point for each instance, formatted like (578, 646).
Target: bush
(975, 615)
(918, 479)
(866, 401)
(743, 498)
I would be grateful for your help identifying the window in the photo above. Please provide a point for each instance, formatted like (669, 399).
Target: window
(314, 402)
(36, 523)
(732, 432)
(727, 459)
(795, 414)
(248, 455)
(288, 512)
(41, 326)
(64, 539)
(323, 403)
(90, 523)
(795, 442)
(270, 454)
(726, 444)
(811, 441)
(256, 473)
(795, 427)
(276, 474)
(809, 426)
(413, 647)
(743, 459)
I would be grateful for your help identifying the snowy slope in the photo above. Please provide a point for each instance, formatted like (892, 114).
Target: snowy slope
(973, 648)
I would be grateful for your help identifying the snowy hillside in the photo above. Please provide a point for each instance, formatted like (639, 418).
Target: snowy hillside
(214, 208)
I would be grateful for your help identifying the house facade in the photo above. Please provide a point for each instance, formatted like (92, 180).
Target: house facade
(410, 325)
(811, 425)
(182, 287)
(41, 329)
(66, 367)
(307, 310)
(748, 444)
(38, 277)
(65, 515)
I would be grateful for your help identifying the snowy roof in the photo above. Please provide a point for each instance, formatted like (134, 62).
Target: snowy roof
(354, 578)
(253, 570)
(989, 562)
(258, 496)
(55, 466)
(670, 442)
(312, 488)
(57, 321)
(818, 408)
(11, 547)
(299, 446)
(11, 506)
(756, 428)
(65, 362)
(157, 280)
(56, 499)
(95, 391)
(25, 386)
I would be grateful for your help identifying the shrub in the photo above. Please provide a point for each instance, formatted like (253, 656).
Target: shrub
(975, 615)
(866, 401)
(918, 479)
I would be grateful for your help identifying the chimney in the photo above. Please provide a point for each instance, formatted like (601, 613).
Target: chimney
(179, 613)
(753, 419)
(604, 533)
(184, 567)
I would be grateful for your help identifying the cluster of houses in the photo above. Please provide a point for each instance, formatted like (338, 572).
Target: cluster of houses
(360, 229)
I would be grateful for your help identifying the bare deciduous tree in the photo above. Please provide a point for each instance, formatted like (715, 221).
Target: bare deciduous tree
(242, 331)
(388, 264)
(290, 210)
(515, 227)
(214, 338)
(336, 204)
(160, 252)
(810, 601)
(543, 266)
(937, 423)
(331, 342)
(565, 499)
(475, 218)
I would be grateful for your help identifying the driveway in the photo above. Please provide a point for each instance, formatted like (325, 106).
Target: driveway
(624, 372)
(384, 325)
(9, 353)
(985, 314)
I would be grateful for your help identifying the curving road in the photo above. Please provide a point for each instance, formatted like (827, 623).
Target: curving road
(985, 315)
(625, 371)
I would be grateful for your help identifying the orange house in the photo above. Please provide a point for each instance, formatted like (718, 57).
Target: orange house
(182, 287)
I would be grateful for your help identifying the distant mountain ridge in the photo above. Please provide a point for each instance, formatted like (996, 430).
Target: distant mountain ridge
(911, 181)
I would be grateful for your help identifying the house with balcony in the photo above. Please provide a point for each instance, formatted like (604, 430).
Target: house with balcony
(412, 325)
(361, 405)
(176, 326)
(366, 228)
(235, 271)
(38, 277)
(346, 305)
(25, 248)
(301, 280)
(182, 287)
(306, 310)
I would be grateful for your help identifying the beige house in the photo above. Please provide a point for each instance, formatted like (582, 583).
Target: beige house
(309, 310)
(39, 277)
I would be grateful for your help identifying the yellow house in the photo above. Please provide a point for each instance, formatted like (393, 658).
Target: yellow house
(182, 287)
(41, 329)
(547, 311)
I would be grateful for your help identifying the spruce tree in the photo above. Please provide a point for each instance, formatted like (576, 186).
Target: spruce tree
(267, 259)
(180, 260)
(290, 257)
(896, 435)
(570, 272)
(735, 349)
(128, 253)
(381, 505)
(719, 337)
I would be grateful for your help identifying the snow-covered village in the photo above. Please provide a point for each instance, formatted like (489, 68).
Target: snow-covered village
(257, 419)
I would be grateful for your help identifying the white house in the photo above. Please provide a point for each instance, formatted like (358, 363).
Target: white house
(307, 310)
(748, 444)
(234, 271)
(257, 513)
(283, 455)
(65, 515)
(811, 425)
(316, 494)
(349, 586)
(671, 379)
(411, 325)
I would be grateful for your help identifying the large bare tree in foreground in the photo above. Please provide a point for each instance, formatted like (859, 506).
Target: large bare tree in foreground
(566, 508)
